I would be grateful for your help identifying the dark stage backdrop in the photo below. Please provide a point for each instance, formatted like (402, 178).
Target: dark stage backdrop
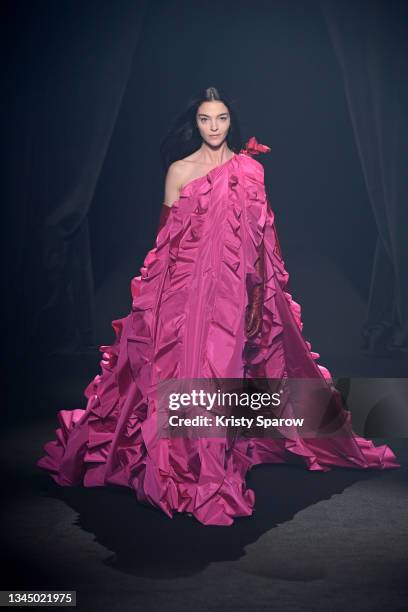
(90, 89)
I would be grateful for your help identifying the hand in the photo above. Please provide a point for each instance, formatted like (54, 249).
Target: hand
(254, 312)
(255, 306)
(164, 214)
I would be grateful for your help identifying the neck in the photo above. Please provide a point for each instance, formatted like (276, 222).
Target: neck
(215, 155)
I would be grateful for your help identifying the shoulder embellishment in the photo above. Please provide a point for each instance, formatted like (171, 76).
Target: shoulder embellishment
(252, 147)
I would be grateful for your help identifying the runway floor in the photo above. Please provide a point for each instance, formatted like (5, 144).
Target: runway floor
(316, 541)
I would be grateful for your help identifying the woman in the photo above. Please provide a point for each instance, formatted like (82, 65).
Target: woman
(210, 303)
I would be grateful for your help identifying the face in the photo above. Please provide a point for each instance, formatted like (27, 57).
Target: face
(213, 122)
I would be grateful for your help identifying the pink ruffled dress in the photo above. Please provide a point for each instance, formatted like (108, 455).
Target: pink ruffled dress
(187, 321)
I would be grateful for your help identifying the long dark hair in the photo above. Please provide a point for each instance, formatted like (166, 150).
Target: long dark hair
(184, 137)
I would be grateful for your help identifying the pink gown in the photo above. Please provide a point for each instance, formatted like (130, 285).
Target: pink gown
(187, 321)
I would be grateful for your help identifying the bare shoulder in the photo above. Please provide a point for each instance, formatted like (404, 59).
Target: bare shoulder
(182, 168)
(178, 174)
(175, 171)
(173, 182)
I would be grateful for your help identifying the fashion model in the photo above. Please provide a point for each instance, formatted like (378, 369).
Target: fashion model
(211, 302)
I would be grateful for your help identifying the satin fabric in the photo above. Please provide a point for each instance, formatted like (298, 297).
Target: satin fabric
(188, 321)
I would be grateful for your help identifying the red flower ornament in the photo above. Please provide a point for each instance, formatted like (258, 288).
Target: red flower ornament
(252, 147)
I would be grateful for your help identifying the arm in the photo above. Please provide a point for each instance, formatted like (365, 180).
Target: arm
(277, 248)
(164, 213)
(255, 306)
(171, 193)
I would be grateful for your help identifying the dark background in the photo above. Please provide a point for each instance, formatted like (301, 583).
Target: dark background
(91, 89)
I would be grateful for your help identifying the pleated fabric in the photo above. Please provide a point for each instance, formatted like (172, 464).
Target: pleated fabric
(187, 321)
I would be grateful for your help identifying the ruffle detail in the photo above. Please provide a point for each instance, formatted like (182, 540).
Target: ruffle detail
(187, 321)
(268, 343)
(280, 351)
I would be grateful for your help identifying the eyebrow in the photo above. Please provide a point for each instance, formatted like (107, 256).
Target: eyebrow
(204, 115)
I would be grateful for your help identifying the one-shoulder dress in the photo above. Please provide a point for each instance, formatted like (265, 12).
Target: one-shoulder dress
(187, 321)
